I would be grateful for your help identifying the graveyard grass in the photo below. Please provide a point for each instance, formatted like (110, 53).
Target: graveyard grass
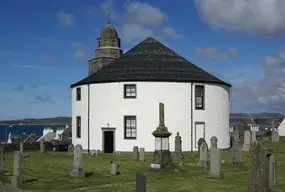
(51, 171)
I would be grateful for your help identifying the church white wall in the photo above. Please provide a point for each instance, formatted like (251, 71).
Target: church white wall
(108, 108)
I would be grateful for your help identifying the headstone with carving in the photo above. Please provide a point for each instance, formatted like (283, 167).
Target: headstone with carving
(141, 154)
(16, 178)
(1, 161)
(272, 170)
(200, 141)
(70, 149)
(78, 170)
(214, 142)
(22, 150)
(204, 156)
(215, 163)
(178, 144)
(237, 159)
(42, 146)
(135, 155)
(247, 141)
(275, 136)
(253, 136)
(258, 179)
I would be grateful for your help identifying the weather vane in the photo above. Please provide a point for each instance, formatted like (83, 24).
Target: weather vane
(109, 18)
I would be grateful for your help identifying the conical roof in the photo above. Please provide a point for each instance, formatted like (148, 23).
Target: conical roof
(150, 60)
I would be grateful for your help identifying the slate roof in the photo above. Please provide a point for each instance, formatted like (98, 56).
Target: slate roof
(150, 61)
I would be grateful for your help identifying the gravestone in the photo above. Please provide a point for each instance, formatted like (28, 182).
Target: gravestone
(135, 155)
(1, 161)
(16, 178)
(247, 141)
(178, 144)
(215, 163)
(258, 179)
(272, 170)
(141, 155)
(78, 170)
(200, 141)
(237, 159)
(114, 168)
(70, 149)
(253, 136)
(97, 152)
(204, 156)
(214, 142)
(22, 150)
(42, 146)
(275, 137)
(140, 183)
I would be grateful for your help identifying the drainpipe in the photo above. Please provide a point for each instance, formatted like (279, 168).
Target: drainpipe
(191, 117)
(88, 125)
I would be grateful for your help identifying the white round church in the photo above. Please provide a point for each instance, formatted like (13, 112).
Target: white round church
(116, 106)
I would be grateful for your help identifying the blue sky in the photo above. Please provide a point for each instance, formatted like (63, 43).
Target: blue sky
(45, 46)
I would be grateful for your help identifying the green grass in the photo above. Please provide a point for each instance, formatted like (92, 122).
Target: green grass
(51, 171)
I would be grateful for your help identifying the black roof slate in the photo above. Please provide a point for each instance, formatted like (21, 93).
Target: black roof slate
(150, 60)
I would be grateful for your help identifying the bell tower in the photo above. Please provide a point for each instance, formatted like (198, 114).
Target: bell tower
(108, 49)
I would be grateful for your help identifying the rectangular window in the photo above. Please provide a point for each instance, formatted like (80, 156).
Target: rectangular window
(78, 94)
(78, 127)
(199, 97)
(130, 127)
(130, 91)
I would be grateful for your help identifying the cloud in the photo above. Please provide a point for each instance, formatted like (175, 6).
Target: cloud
(216, 53)
(22, 87)
(80, 53)
(65, 19)
(19, 88)
(169, 31)
(256, 17)
(266, 93)
(42, 99)
(139, 20)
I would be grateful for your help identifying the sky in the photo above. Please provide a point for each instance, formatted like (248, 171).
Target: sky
(45, 47)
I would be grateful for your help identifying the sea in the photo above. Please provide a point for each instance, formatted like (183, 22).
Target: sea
(20, 129)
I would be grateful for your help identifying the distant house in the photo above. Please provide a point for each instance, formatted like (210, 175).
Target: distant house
(281, 128)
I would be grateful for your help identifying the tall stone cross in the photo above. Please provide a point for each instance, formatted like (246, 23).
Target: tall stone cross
(161, 114)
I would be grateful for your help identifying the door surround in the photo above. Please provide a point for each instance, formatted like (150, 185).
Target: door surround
(204, 131)
(105, 129)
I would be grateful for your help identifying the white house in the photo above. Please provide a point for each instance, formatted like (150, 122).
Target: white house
(281, 128)
(116, 107)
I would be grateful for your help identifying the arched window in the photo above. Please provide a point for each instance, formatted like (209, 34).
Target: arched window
(105, 43)
(113, 43)
(99, 44)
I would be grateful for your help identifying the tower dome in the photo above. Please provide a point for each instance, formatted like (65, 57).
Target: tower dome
(109, 31)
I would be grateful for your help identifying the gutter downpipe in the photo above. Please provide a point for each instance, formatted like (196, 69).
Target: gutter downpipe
(191, 117)
(88, 125)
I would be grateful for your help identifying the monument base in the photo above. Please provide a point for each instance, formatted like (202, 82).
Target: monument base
(237, 164)
(161, 161)
(245, 147)
(220, 176)
(250, 188)
(77, 173)
(203, 164)
(16, 180)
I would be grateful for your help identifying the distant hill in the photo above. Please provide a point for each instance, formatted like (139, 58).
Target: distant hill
(44, 121)
(267, 117)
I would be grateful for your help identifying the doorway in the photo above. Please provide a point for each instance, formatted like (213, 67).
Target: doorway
(108, 140)
(199, 132)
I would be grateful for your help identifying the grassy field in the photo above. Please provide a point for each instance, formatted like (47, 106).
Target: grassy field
(51, 171)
